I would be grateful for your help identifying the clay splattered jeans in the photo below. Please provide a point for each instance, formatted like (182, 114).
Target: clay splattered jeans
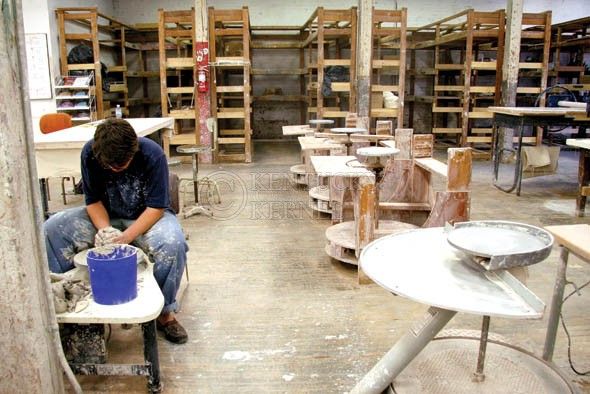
(71, 231)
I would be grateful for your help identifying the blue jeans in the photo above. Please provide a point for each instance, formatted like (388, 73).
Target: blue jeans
(71, 231)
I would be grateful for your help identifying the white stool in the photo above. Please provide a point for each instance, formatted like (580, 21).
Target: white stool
(212, 188)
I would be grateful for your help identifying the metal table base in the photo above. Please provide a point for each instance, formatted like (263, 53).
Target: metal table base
(518, 122)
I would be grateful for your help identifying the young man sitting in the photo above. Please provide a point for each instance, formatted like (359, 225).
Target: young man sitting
(125, 180)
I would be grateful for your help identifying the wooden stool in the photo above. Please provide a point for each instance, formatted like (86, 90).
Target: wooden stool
(212, 188)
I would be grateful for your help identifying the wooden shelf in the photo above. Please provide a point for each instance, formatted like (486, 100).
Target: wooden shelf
(462, 91)
(330, 39)
(229, 55)
(280, 98)
(85, 25)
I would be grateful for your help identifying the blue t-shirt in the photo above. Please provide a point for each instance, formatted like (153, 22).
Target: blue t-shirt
(128, 193)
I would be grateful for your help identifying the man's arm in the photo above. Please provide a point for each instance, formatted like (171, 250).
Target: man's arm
(98, 215)
(143, 223)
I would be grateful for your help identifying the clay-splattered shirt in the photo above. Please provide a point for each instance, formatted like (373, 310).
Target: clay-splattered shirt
(126, 194)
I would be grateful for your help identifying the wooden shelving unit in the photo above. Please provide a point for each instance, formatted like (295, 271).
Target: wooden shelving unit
(330, 38)
(467, 69)
(570, 41)
(282, 82)
(468, 52)
(176, 28)
(388, 63)
(143, 72)
(229, 54)
(534, 65)
(87, 25)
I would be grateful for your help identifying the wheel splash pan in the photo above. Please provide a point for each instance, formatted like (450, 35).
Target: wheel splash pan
(499, 245)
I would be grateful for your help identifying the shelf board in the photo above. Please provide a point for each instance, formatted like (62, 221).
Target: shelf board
(449, 67)
(143, 74)
(488, 65)
(270, 71)
(447, 109)
(384, 112)
(73, 108)
(447, 130)
(72, 97)
(117, 88)
(276, 97)
(116, 69)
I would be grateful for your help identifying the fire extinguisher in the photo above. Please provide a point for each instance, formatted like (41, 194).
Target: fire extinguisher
(202, 83)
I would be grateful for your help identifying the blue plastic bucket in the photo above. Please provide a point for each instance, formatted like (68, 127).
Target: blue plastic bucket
(113, 274)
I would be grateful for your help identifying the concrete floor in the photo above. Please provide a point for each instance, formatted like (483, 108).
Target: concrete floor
(267, 311)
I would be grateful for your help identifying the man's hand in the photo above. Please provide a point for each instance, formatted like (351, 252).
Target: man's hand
(123, 238)
(106, 236)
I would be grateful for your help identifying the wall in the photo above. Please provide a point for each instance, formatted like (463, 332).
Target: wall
(420, 12)
(36, 20)
(39, 17)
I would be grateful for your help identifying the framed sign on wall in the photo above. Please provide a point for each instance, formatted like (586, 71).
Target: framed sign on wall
(38, 66)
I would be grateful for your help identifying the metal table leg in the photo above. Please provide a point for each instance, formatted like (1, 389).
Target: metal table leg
(556, 301)
(44, 197)
(403, 352)
(150, 352)
(497, 156)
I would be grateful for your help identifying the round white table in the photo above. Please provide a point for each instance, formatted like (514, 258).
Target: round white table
(422, 266)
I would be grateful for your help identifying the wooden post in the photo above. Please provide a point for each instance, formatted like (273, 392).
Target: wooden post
(247, 86)
(402, 67)
(365, 217)
(162, 59)
(467, 79)
(29, 358)
(352, 70)
(320, 64)
(363, 61)
(510, 65)
(97, 65)
(203, 100)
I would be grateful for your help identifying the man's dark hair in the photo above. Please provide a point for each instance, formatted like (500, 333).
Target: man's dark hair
(115, 143)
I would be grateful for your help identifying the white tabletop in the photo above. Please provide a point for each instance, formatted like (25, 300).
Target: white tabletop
(314, 143)
(536, 111)
(422, 266)
(77, 136)
(321, 121)
(145, 307)
(58, 154)
(348, 130)
(377, 151)
(583, 143)
(301, 129)
(345, 166)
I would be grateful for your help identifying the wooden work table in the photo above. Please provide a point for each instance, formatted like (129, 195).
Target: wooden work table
(519, 117)
(574, 239)
(58, 153)
(311, 145)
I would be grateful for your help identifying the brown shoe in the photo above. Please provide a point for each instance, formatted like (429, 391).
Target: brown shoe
(173, 331)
